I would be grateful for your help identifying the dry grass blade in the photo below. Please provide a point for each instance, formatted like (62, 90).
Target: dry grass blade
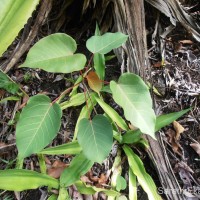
(196, 147)
(173, 10)
(87, 3)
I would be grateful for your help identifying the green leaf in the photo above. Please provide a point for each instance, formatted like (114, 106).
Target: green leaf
(112, 114)
(7, 84)
(106, 88)
(38, 124)
(132, 185)
(109, 57)
(97, 30)
(143, 177)
(75, 100)
(85, 113)
(53, 197)
(76, 84)
(21, 179)
(79, 166)
(121, 183)
(69, 148)
(99, 59)
(55, 53)
(13, 16)
(132, 94)
(122, 197)
(116, 169)
(131, 137)
(11, 98)
(105, 43)
(164, 120)
(63, 194)
(88, 189)
(99, 65)
(95, 137)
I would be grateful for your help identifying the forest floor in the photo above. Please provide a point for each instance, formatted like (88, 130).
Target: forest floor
(177, 87)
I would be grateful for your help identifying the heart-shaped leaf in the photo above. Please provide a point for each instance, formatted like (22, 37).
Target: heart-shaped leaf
(94, 82)
(105, 43)
(55, 53)
(95, 137)
(38, 124)
(132, 94)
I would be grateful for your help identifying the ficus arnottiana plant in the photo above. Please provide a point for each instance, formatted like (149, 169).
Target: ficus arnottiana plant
(40, 120)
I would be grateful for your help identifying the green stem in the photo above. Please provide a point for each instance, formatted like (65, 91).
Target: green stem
(42, 164)
(63, 194)
(19, 163)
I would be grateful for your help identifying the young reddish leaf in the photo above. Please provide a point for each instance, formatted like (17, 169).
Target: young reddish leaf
(94, 82)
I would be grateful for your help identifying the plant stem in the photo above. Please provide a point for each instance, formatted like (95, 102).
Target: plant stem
(89, 62)
(64, 93)
(90, 97)
(42, 164)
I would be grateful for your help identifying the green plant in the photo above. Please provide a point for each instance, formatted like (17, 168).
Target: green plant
(13, 11)
(40, 120)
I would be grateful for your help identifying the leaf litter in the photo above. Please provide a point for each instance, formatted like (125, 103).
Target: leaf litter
(178, 82)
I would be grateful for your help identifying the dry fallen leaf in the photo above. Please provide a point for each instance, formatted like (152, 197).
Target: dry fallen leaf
(85, 179)
(55, 172)
(103, 179)
(91, 177)
(185, 42)
(58, 163)
(179, 129)
(56, 169)
(157, 64)
(47, 161)
(196, 147)
(172, 140)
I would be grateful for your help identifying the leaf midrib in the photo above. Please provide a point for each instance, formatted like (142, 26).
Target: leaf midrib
(94, 138)
(49, 59)
(36, 132)
(118, 85)
(107, 45)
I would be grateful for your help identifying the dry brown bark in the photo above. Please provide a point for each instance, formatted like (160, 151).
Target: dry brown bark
(129, 18)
